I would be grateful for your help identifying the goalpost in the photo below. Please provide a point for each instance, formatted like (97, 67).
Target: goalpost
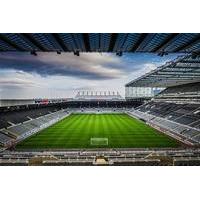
(99, 141)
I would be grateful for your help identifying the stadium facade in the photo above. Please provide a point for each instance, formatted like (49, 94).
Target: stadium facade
(98, 95)
(141, 92)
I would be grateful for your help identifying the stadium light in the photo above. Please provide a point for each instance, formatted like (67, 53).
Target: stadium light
(162, 53)
(119, 53)
(76, 53)
(195, 55)
(33, 53)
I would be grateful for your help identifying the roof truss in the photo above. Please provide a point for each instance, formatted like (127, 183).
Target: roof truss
(180, 71)
(101, 42)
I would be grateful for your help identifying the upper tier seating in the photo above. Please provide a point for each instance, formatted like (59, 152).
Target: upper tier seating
(186, 89)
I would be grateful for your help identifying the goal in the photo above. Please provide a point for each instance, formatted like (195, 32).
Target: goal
(99, 141)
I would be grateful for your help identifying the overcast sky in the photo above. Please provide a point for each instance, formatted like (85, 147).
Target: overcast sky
(51, 75)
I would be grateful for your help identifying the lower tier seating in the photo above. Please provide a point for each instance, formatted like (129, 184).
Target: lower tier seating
(180, 119)
(21, 131)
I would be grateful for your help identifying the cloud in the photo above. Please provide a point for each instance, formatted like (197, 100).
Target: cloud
(16, 80)
(87, 66)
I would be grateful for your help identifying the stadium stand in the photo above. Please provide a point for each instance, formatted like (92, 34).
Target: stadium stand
(110, 157)
(3, 124)
(180, 119)
(181, 93)
(20, 116)
(183, 90)
(176, 109)
(25, 129)
(4, 139)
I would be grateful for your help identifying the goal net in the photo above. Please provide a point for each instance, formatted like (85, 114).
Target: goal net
(99, 141)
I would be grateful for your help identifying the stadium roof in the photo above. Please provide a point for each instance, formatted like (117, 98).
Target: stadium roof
(98, 95)
(183, 70)
(101, 42)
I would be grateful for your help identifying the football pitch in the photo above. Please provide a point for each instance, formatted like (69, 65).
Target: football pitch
(98, 131)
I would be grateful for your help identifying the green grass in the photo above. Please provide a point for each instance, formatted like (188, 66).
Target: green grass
(76, 131)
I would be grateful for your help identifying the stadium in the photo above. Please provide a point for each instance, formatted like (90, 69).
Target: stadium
(156, 123)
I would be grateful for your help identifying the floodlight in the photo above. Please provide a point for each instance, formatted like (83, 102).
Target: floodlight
(76, 53)
(119, 53)
(33, 52)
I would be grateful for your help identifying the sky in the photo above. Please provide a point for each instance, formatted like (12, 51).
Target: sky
(52, 75)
